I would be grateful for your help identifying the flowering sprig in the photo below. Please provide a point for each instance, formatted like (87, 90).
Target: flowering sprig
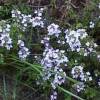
(91, 24)
(53, 29)
(78, 73)
(80, 86)
(23, 51)
(54, 96)
(5, 40)
(73, 38)
(51, 62)
(24, 19)
(39, 12)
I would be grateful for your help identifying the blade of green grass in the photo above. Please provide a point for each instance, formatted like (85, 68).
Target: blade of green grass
(14, 90)
(34, 66)
(70, 93)
(38, 68)
(4, 88)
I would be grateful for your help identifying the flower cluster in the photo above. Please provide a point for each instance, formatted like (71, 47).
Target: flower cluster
(51, 62)
(16, 14)
(99, 6)
(61, 42)
(23, 52)
(87, 77)
(91, 24)
(5, 39)
(24, 19)
(73, 38)
(53, 29)
(79, 86)
(78, 73)
(90, 47)
(99, 82)
(39, 12)
(54, 96)
(37, 21)
(59, 77)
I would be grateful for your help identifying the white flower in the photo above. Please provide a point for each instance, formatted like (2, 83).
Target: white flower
(87, 77)
(99, 82)
(1, 42)
(8, 44)
(37, 21)
(87, 73)
(98, 57)
(5, 39)
(90, 78)
(54, 96)
(23, 51)
(52, 60)
(73, 38)
(13, 13)
(87, 44)
(20, 43)
(18, 12)
(82, 33)
(59, 77)
(77, 71)
(91, 24)
(99, 6)
(53, 29)
(39, 11)
(79, 86)
(8, 26)
(95, 45)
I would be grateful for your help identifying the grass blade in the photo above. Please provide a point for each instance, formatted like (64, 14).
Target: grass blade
(4, 88)
(70, 93)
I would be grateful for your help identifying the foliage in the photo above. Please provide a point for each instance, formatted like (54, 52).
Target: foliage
(50, 50)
